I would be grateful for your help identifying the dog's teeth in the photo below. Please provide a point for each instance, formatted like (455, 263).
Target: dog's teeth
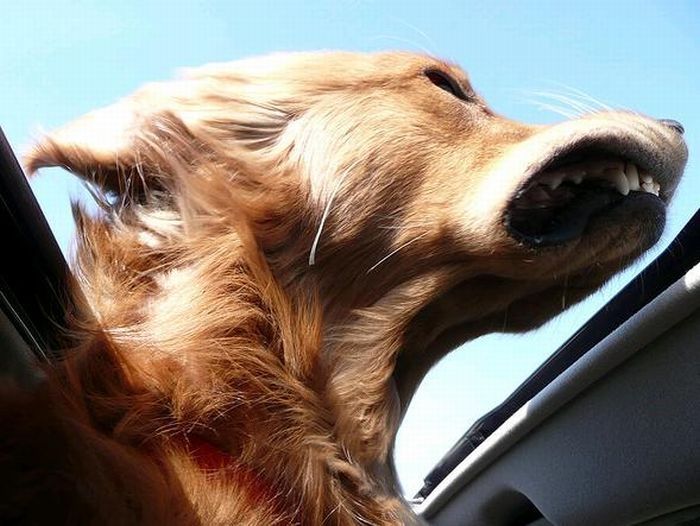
(651, 187)
(553, 180)
(593, 168)
(556, 180)
(538, 194)
(624, 177)
(575, 175)
(617, 177)
(535, 197)
(632, 176)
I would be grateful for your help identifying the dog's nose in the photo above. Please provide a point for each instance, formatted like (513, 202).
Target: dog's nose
(674, 125)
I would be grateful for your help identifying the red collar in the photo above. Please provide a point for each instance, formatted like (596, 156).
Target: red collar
(208, 456)
(217, 462)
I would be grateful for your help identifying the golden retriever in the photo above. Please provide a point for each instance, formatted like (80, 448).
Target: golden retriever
(286, 246)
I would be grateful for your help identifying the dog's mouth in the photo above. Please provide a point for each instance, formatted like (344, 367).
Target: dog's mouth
(557, 204)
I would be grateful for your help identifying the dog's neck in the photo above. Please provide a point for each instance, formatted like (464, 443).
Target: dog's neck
(259, 358)
(251, 366)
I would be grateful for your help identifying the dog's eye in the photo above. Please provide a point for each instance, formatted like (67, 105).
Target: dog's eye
(446, 83)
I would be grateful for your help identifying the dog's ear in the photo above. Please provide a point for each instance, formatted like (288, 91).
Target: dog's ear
(118, 147)
(104, 147)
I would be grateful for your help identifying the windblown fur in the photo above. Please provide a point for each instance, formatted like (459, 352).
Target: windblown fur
(285, 246)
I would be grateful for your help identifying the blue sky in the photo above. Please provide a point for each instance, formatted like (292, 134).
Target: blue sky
(60, 59)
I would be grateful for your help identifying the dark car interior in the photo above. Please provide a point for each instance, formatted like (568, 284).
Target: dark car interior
(33, 277)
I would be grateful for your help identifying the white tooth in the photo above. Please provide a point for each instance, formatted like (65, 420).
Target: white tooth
(650, 188)
(645, 178)
(632, 176)
(576, 175)
(538, 194)
(657, 188)
(535, 197)
(617, 176)
(594, 168)
(600, 166)
(553, 180)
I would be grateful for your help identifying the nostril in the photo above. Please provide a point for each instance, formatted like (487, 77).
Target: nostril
(674, 125)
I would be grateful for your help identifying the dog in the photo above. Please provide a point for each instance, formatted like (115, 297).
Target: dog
(285, 246)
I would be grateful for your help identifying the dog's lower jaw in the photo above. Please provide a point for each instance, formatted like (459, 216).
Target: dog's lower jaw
(481, 305)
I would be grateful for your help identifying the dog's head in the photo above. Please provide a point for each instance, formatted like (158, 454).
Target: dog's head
(385, 189)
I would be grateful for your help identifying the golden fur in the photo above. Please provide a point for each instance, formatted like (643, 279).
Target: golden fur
(286, 246)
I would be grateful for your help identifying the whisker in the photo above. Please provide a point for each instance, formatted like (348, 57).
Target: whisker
(407, 225)
(554, 109)
(326, 211)
(423, 34)
(574, 104)
(586, 96)
(402, 41)
(395, 251)
(505, 320)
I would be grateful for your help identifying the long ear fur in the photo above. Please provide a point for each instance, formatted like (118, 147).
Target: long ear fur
(98, 147)
(107, 147)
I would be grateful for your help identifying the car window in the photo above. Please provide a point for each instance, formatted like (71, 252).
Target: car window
(481, 374)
